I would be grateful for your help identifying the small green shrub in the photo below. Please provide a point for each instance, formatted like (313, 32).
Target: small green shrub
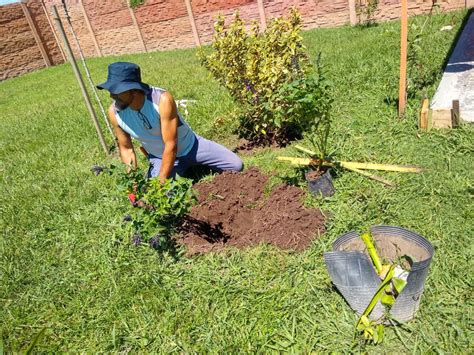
(312, 99)
(136, 3)
(365, 10)
(420, 74)
(158, 207)
(266, 73)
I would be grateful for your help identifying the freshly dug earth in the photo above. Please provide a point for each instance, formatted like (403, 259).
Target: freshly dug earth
(233, 211)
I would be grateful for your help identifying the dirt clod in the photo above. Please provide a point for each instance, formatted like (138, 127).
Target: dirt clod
(233, 210)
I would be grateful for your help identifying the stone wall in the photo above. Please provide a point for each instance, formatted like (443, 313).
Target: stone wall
(109, 27)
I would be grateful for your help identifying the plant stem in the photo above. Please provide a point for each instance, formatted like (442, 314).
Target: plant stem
(372, 251)
(378, 293)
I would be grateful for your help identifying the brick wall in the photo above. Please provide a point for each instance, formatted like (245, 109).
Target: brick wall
(390, 9)
(163, 24)
(19, 52)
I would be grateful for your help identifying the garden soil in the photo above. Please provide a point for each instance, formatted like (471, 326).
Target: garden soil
(234, 210)
(390, 247)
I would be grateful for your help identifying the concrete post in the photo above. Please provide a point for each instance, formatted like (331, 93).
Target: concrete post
(52, 30)
(189, 8)
(261, 11)
(89, 27)
(39, 43)
(137, 27)
(352, 13)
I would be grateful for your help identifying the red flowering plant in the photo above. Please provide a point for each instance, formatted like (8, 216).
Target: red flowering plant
(157, 208)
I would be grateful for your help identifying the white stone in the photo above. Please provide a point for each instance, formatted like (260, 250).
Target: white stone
(446, 28)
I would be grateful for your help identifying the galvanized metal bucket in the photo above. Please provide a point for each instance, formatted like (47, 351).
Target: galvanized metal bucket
(353, 274)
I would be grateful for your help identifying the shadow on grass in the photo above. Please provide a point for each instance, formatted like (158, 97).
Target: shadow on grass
(169, 247)
(198, 172)
(366, 25)
(211, 234)
(456, 38)
(296, 179)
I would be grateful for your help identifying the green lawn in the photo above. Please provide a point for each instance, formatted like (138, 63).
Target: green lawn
(67, 265)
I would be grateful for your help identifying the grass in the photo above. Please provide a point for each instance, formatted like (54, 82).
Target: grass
(66, 264)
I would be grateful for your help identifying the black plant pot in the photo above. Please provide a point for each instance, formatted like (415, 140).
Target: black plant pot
(321, 185)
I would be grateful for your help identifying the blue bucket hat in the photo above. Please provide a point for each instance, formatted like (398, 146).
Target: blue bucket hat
(124, 76)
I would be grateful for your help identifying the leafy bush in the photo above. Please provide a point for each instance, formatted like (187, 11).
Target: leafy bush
(136, 3)
(158, 207)
(420, 74)
(267, 73)
(365, 10)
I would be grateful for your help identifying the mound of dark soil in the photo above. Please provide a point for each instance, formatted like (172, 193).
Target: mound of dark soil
(232, 210)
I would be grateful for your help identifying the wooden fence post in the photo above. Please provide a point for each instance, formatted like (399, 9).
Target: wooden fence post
(261, 11)
(89, 27)
(455, 114)
(403, 58)
(352, 13)
(137, 28)
(189, 8)
(44, 54)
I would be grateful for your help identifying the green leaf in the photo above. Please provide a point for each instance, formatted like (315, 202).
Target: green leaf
(365, 320)
(398, 284)
(369, 332)
(380, 333)
(387, 300)
(361, 327)
(377, 294)
(35, 340)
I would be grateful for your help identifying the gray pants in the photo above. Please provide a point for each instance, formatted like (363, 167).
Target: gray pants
(204, 152)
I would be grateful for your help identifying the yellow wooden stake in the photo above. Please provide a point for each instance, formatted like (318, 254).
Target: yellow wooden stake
(353, 165)
(383, 167)
(307, 161)
(423, 119)
(370, 176)
(305, 150)
(356, 165)
(296, 161)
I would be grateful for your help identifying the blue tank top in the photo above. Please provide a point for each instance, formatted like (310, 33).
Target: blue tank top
(133, 122)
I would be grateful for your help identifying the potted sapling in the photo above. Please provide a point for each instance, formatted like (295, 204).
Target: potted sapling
(310, 97)
(318, 175)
